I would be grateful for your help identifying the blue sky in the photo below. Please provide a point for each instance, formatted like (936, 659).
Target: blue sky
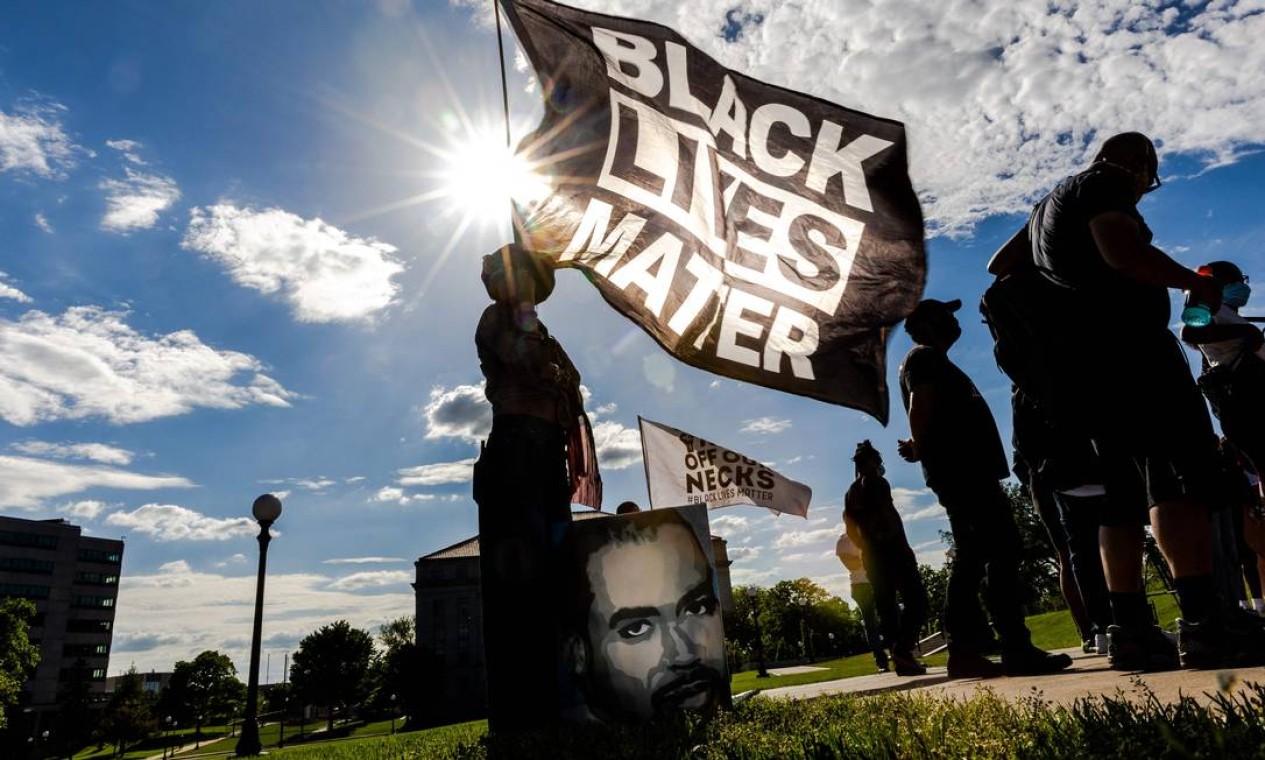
(241, 255)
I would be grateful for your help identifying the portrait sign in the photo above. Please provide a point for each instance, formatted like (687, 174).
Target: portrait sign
(642, 634)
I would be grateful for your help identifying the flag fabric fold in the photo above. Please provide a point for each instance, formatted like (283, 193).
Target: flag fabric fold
(684, 469)
(755, 232)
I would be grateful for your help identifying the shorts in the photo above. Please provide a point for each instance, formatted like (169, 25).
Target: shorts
(1150, 426)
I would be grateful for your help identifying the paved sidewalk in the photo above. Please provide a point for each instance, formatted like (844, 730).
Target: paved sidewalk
(1088, 676)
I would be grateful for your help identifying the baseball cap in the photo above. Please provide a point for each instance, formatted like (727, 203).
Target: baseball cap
(927, 310)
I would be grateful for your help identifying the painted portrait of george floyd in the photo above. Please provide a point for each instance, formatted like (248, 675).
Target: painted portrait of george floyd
(642, 634)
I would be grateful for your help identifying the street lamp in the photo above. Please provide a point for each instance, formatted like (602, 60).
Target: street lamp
(754, 595)
(266, 509)
(392, 713)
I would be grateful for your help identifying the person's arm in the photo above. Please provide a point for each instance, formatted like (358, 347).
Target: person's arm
(1197, 336)
(922, 401)
(1119, 239)
(1012, 253)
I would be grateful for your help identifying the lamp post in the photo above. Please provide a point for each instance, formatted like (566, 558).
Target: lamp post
(754, 595)
(266, 509)
(392, 713)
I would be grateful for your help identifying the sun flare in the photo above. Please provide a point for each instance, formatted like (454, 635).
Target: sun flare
(482, 176)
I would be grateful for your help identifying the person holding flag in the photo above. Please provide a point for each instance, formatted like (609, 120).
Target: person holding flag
(538, 459)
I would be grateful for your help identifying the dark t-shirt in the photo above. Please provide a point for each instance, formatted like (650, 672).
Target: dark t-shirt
(869, 503)
(1064, 248)
(962, 442)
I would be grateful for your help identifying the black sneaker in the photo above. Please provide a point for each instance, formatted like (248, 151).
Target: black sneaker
(970, 664)
(1220, 642)
(1033, 661)
(1147, 649)
(907, 665)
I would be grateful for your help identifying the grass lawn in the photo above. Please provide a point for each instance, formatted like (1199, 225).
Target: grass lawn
(1051, 630)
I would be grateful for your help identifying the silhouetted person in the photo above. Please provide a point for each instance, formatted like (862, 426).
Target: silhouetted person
(1124, 382)
(956, 440)
(873, 522)
(523, 488)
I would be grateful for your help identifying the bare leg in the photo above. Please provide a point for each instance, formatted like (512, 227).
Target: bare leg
(1184, 534)
(1121, 547)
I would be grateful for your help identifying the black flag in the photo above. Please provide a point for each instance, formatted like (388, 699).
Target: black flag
(755, 232)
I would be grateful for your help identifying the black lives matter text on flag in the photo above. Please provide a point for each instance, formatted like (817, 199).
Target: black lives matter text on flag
(754, 232)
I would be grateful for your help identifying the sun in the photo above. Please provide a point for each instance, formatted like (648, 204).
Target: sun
(481, 177)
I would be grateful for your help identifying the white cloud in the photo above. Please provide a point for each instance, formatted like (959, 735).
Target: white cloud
(324, 274)
(461, 412)
(316, 485)
(354, 479)
(437, 474)
(797, 538)
(168, 522)
(32, 141)
(1001, 99)
(372, 579)
(915, 504)
(89, 363)
(96, 452)
(10, 292)
(177, 566)
(42, 222)
(729, 523)
(135, 202)
(389, 493)
(161, 621)
(129, 148)
(365, 561)
(618, 447)
(26, 483)
(236, 559)
(87, 509)
(398, 496)
(765, 425)
(935, 510)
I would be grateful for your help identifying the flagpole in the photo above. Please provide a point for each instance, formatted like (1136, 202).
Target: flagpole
(500, 49)
(645, 458)
(505, 103)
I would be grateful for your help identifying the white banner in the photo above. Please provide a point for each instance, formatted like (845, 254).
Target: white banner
(685, 469)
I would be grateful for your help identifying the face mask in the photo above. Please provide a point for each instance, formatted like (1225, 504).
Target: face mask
(1235, 294)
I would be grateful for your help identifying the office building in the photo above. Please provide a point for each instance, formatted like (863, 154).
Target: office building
(73, 580)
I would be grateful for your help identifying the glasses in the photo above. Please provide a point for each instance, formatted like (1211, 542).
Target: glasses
(1155, 185)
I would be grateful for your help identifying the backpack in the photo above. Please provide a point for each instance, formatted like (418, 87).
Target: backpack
(1033, 321)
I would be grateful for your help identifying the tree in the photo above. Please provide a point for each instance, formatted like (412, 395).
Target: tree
(936, 583)
(331, 667)
(797, 618)
(397, 675)
(129, 715)
(17, 656)
(206, 688)
(75, 710)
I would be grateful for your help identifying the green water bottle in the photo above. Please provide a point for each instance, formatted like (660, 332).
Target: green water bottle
(1196, 313)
